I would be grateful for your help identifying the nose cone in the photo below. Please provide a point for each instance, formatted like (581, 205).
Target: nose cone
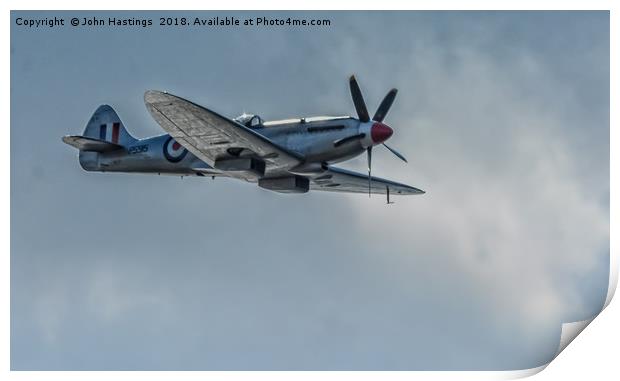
(380, 132)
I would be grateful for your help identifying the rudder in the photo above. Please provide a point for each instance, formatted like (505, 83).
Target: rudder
(105, 124)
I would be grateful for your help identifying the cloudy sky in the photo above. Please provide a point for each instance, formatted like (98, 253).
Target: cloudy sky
(504, 118)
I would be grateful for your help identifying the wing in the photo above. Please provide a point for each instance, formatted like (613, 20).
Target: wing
(342, 180)
(209, 135)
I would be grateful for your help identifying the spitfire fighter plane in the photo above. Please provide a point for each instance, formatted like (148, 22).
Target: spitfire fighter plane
(286, 156)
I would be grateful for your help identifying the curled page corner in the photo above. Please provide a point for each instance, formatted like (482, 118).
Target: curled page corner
(570, 331)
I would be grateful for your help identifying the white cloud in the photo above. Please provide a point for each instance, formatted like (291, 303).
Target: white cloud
(506, 203)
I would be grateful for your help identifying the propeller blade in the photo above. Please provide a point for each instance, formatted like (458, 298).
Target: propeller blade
(358, 100)
(392, 150)
(369, 151)
(385, 105)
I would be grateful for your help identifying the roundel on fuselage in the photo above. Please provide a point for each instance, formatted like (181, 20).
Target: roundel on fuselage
(173, 151)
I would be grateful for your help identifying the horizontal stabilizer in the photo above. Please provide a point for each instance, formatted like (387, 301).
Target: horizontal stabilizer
(84, 143)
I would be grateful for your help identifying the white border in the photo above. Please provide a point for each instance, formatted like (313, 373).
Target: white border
(581, 359)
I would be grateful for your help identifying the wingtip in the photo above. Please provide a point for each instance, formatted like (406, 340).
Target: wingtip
(152, 96)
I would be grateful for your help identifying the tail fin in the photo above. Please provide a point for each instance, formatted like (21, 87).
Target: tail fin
(104, 133)
(106, 125)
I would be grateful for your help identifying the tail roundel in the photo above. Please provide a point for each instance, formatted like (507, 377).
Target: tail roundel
(106, 125)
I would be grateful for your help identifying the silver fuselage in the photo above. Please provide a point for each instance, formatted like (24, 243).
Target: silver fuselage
(311, 138)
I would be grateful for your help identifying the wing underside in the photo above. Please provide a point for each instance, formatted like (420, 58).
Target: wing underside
(342, 180)
(212, 137)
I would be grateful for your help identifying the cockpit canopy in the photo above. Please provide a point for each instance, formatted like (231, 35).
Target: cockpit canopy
(249, 120)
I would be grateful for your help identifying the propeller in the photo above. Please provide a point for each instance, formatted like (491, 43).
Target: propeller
(396, 153)
(362, 113)
(369, 156)
(385, 105)
(358, 100)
